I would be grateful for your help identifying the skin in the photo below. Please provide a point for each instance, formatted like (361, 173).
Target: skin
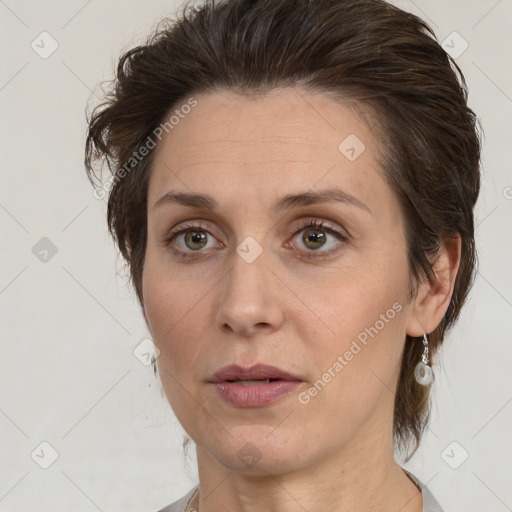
(335, 452)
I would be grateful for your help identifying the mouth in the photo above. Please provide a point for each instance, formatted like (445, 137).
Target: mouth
(257, 374)
(257, 386)
(252, 382)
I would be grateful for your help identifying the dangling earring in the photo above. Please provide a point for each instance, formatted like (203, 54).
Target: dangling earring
(423, 371)
(153, 362)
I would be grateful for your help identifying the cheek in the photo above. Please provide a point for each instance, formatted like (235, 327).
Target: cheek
(357, 366)
(362, 327)
(172, 310)
(356, 299)
(172, 314)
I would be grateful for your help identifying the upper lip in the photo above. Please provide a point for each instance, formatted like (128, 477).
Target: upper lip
(255, 372)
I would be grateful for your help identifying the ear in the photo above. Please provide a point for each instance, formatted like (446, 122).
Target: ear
(433, 298)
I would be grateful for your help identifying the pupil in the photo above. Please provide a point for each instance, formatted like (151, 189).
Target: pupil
(195, 240)
(313, 238)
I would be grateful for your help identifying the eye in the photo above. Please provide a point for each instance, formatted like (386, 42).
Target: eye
(192, 238)
(317, 237)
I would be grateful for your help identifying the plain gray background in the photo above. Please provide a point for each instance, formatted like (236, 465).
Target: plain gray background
(70, 324)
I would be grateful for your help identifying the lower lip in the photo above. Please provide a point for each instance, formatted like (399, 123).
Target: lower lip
(257, 395)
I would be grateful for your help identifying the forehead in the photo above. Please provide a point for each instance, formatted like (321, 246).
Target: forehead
(287, 139)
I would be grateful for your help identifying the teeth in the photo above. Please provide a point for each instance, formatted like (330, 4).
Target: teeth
(251, 382)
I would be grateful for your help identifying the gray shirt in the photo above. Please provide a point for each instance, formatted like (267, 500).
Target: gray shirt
(429, 502)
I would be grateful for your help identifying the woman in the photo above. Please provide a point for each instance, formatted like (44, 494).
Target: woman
(292, 185)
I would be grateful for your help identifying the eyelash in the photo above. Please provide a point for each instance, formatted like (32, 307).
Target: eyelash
(312, 224)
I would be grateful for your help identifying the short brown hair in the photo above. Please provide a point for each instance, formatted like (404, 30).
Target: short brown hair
(367, 51)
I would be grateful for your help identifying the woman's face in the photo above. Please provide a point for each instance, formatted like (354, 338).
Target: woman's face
(296, 259)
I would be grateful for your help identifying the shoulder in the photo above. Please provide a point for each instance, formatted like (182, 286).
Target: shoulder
(430, 504)
(181, 504)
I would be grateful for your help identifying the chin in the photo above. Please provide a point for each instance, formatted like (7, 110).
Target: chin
(257, 450)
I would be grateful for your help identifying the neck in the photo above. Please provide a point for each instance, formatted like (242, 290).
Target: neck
(363, 478)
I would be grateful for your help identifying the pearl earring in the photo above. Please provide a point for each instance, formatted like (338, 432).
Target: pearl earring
(423, 371)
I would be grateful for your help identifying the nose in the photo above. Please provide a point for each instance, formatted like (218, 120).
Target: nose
(250, 301)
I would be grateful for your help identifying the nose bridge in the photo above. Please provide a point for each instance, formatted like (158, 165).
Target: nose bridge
(247, 272)
(249, 301)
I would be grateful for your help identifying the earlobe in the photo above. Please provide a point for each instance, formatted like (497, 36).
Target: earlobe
(433, 298)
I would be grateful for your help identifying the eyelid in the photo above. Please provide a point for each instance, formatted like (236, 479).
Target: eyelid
(320, 223)
(196, 224)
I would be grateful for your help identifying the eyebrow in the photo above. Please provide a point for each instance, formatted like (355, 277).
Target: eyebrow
(194, 200)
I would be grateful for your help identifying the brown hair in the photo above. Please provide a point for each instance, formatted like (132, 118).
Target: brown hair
(367, 51)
